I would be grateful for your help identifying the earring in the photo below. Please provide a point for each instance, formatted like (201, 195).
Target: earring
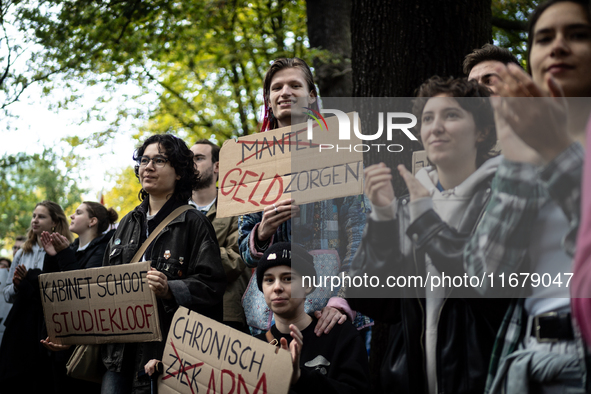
(53, 229)
(89, 226)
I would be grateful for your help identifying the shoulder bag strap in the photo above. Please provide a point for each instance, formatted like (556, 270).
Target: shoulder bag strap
(271, 339)
(138, 255)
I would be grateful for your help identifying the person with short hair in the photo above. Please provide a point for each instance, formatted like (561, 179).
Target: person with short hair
(480, 64)
(204, 199)
(186, 267)
(437, 343)
(18, 242)
(332, 363)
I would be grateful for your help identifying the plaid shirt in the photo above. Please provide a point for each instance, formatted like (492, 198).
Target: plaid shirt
(502, 239)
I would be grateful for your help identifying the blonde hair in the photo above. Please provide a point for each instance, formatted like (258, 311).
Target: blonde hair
(57, 216)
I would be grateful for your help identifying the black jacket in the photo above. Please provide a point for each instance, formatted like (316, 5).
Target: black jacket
(72, 259)
(467, 326)
(186, 251)
(333, 363)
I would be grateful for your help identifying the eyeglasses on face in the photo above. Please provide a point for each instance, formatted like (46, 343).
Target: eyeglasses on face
(158, 161)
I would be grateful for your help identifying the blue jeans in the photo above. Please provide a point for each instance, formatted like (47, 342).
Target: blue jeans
(116, 383)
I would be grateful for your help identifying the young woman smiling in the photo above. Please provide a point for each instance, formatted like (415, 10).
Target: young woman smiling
(437, 344)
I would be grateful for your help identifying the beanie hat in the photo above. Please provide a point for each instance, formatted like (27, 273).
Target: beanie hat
(283, 253)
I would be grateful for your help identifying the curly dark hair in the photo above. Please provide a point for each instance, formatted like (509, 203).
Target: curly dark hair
(473, 98)
(180, 158)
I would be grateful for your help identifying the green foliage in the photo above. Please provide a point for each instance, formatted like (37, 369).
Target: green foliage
(509, 19)
(123, 197)
(205, 59)
(25, 180)
(19, 65)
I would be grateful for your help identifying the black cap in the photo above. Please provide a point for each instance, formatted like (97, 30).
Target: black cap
(282, 253)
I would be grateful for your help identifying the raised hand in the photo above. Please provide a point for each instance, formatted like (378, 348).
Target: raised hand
(295, 348)
(415, 188)
(47, 244)
(59, 242)
(538, 118)
(378, 185)
(19, 274)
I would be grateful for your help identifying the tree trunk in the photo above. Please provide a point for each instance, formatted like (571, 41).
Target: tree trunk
(396, 46)
(329, 31)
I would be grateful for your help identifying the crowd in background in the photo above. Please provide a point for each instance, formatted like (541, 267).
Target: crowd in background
(503, 194)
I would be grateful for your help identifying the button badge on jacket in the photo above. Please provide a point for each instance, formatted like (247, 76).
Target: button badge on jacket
(167, 254)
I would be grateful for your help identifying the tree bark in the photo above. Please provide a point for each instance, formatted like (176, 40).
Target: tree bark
(396, 46)
(329, 29)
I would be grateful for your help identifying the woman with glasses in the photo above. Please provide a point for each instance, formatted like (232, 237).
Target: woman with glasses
(185, 257)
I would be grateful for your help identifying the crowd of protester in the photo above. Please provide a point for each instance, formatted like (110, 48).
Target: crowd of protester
(502, 195)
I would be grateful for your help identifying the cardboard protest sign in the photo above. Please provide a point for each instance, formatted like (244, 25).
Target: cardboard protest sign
(204, 356)
(100, 305)
(261, 169)
(419, 160)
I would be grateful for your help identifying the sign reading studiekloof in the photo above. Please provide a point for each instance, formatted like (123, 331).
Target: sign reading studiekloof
(100, 305)
(261, 169)
(204, 356)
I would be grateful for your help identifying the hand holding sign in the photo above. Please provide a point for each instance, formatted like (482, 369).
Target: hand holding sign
(158, 283)
(54, 347)
(274, 215)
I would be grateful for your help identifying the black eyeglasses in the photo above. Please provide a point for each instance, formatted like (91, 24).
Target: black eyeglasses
(159, 161)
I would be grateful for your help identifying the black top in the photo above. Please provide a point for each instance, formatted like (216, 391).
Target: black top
(332, 363)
